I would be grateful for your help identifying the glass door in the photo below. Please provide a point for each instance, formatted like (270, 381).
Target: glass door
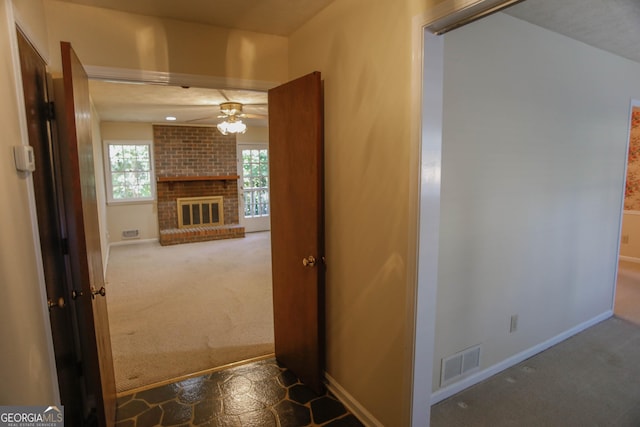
(253, 164)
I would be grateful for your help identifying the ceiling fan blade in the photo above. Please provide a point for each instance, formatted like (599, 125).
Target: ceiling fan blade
(256, 116)
(199, 119)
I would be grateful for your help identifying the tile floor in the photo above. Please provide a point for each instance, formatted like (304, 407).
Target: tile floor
(258, 394)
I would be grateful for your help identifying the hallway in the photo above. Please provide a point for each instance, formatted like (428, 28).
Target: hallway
(257, 394)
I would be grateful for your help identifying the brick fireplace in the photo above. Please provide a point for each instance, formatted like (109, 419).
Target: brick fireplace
(195, 161)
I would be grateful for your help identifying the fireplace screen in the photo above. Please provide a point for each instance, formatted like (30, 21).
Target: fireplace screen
(200, 211)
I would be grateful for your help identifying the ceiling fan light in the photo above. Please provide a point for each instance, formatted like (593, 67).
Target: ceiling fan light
(236, 126)
(231, 108)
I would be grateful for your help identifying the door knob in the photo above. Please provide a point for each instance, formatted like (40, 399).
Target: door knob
(309, 261)
(102, 291)
(55, 303)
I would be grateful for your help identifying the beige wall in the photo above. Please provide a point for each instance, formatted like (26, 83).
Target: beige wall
(27, 372)
(631, 230)
(103, 37)
(29, 14)
(254, 134)
(128, 216)
(363, 50)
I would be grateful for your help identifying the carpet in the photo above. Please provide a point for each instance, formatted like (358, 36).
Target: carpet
(590, 379)
(177, 310)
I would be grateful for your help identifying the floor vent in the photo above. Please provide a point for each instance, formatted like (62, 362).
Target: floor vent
(130, 234)
(460, 364)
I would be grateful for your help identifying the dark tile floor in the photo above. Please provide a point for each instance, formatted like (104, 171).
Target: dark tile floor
(258, 394)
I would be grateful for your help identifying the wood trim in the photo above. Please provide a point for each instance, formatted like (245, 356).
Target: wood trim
(629, 259)
(197, 178)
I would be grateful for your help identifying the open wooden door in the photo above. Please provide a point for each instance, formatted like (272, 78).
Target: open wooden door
(50, 219)
(297, 225)
(73, 119)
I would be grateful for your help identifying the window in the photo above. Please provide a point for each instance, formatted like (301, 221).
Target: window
(129, 172)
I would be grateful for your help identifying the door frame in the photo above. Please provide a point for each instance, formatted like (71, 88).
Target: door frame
(426, 140)
(33, 215)
(634, 103)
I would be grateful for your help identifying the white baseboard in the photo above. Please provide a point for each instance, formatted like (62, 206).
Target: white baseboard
(449, 391)
(133, 242)
(351, 403)
(630, 259)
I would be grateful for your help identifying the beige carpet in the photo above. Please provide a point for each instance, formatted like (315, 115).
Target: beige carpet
(591, 379)
(181, 309)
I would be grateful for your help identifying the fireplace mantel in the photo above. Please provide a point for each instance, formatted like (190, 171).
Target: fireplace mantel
(197, 178)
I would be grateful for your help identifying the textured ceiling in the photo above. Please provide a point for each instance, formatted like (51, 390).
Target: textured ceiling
(126, 102)
(611, 25)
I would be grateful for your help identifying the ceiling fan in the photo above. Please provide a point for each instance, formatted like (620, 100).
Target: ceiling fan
(233, 111)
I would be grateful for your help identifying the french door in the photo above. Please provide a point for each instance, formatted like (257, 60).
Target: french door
(253, 168)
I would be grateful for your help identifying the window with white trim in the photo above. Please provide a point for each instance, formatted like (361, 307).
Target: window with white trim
(129, 171)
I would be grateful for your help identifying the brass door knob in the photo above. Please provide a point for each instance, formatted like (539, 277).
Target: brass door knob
(309, 261)
(55, 303)
(102, 291)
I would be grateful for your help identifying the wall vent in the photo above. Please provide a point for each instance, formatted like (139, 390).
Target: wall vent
(459, 364)
(130, 234)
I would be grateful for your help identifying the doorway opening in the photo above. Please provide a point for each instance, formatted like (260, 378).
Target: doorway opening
(627, 299)
(181, 309)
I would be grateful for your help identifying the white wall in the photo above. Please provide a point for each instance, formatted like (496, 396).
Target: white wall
(127, 216)
(101, 196)
(27, 371)
(535, 129)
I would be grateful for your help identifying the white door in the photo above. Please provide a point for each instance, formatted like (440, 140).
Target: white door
(253, 168)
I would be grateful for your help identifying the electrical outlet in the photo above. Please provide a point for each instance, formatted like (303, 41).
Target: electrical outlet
(514, 323)
(625, 239)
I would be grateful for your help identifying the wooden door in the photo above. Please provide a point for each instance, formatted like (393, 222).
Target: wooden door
(50, 220)
(73, 118)
(297, 225)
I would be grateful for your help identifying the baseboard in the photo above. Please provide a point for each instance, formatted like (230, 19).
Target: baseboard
(351, 403)
(133, 242)
(449, 391)
(630, 259)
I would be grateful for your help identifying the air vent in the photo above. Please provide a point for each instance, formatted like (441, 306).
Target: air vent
(130, 234)
(460, 364)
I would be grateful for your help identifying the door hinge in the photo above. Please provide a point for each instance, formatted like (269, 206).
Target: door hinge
(50, 111)
(65, 246)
